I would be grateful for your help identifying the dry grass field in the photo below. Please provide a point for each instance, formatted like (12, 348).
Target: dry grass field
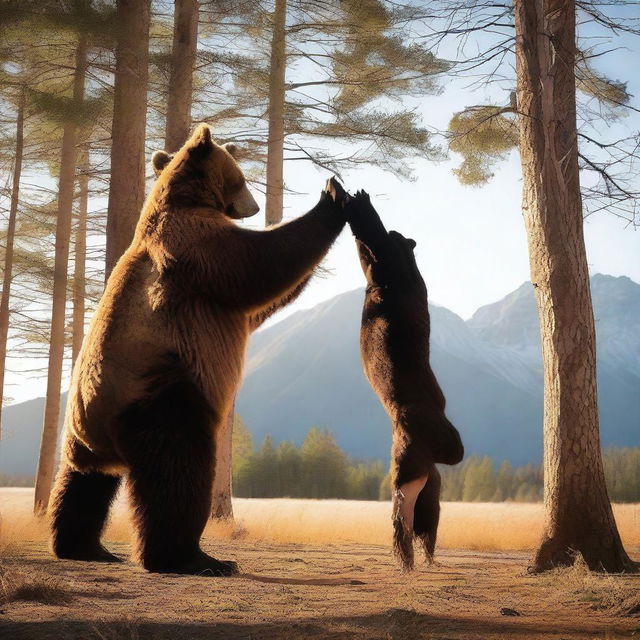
(316, 570)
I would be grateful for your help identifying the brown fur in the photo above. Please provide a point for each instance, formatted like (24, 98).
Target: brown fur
(163, 356)
(394, 342)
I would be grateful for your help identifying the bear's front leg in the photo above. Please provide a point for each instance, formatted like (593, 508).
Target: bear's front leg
(168, 442)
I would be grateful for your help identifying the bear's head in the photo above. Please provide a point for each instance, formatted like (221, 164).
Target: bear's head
(204, 174)
(393, 263)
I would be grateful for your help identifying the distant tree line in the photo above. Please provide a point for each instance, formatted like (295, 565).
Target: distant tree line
(319, 468)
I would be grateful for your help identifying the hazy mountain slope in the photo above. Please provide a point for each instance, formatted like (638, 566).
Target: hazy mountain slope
(306, 370)
(21, 433)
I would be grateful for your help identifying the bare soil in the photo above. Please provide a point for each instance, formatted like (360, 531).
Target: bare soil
(343, 591)
(305, 591)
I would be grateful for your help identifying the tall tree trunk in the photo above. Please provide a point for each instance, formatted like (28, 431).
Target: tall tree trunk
(68, 156)
(275, 141)
(8, 254)
(221, 504)
(183, 57)
(222, 484)
(578, 514)
(80, 259)
(126, 185)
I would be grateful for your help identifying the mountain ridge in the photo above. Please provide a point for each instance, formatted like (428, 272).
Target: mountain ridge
(305, 370)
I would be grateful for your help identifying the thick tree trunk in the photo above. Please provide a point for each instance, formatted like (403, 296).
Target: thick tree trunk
(46, 462)
(221, 505)
(275, 142)
(80, 260)
(8, 254)
(222, 489)
(126, 185)
(578, 514)
(183, 57)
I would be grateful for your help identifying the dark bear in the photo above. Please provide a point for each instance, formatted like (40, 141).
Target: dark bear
(394, 343)
(162, 359)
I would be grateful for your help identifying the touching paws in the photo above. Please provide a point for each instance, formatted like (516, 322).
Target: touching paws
(336, 191)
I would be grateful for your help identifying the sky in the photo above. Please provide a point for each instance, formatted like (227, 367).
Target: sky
(471, 242)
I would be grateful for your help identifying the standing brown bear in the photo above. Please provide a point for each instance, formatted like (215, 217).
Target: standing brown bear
(162, 359)
(394, 341)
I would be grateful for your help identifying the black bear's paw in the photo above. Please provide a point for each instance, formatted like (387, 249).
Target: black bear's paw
(88, 554)
(365, 221)
(202, 565)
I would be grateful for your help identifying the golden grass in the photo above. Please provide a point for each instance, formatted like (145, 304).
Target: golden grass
(600, 591)
(475, 526)
(35, 587)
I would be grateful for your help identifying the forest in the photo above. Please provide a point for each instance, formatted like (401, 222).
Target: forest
(318, 468)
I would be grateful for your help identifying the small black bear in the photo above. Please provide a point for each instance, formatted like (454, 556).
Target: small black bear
(394, 343)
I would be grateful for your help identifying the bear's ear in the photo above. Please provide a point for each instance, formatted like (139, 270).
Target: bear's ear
(201, 143)
(159, 160)
(232, 149)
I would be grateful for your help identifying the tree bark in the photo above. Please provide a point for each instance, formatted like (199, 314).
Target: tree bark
(126, 184)
(183, 57)
(8, 254)
(222, 487)
(80, 259)
(275, 140)
(578, 514)
(68, 157)
(221, 504)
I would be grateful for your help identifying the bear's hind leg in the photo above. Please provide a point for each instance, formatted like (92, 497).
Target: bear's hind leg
(427, 513)
(170, 452)
(79, 509)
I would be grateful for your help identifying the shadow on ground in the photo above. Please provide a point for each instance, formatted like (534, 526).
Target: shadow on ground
(392, 624)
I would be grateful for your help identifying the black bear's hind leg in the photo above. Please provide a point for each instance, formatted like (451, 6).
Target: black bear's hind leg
(427, 514)
(170, 452)
(79, 509)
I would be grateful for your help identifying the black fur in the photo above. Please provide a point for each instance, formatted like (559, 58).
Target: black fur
(394, 343)
(79, 510)
(170, 450)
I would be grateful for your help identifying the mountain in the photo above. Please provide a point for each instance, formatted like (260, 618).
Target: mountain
(306, 370)
(511, 323)
(21, 433)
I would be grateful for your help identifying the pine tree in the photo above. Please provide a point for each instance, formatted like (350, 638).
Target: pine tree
(304, 94)
(7, 275)
(545, 128)
(126, 183)
(68, 159)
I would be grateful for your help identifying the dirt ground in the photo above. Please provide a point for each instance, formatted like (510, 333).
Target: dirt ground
(296, 591)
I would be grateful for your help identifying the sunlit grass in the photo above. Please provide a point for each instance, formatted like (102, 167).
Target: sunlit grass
(37, 587)
(475, 526)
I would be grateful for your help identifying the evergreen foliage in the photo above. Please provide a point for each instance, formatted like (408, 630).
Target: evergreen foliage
(320, 469)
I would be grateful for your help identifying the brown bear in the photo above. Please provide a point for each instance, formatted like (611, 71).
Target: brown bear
(394, 342)
(162, 359)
